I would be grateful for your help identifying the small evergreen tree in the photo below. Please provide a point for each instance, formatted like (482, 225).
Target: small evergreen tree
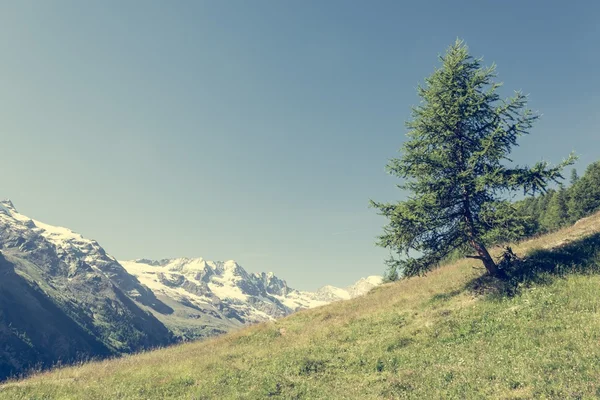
(527, 209)
(390, 275)
(574, 177)
(542, 208)
(454, 167)
(557, 213)
(585, 193)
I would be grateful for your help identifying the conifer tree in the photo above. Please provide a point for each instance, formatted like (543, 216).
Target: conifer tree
(585, 193)
(557, 212)
(528, 211)
(542, 207)
(454, 167)
(574, 177)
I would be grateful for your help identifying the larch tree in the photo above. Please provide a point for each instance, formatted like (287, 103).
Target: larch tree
(454, 167)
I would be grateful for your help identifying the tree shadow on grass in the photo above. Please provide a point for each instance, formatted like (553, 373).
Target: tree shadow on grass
(441, 297)
(542, 267)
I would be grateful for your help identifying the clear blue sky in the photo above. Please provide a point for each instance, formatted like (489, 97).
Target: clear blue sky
(258, 130)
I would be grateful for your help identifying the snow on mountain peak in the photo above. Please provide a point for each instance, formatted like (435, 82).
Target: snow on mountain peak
(55, 234)
(58, 235)
(373, 280)
(7, 205)
(255, 296)
(231, 283)
(225, 289)
(193, 296)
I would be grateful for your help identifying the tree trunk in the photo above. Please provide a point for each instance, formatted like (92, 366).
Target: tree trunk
(482, 252)
(486, 258)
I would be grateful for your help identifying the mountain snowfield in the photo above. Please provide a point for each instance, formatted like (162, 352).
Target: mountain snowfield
(254, 297)
(192, 297)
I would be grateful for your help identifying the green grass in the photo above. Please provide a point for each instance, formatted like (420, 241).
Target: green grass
(452, 334)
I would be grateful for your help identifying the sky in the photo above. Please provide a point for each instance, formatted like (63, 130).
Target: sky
(259, 130)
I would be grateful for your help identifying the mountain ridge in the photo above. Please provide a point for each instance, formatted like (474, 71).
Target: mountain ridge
(224, 289)
(111, 307)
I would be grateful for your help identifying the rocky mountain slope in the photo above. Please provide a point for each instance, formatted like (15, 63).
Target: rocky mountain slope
(63, 298)
(212, 296)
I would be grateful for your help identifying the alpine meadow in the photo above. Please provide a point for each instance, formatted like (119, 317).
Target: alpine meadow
(348, 256)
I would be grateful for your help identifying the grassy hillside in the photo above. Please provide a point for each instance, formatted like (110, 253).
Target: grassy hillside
(452, 334)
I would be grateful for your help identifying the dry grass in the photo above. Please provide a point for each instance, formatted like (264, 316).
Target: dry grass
(427, 337)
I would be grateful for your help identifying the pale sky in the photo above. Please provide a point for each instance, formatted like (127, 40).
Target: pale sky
(259, 130)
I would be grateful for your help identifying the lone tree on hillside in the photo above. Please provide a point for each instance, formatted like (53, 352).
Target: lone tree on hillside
(453, 165)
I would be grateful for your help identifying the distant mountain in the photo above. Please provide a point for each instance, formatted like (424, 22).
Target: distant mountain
(220, 295)
(63, 298)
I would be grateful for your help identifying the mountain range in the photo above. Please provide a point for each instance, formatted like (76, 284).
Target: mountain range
(63, 298)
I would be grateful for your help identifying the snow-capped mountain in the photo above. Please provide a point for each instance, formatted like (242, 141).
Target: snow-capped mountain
(363, 285)
(79, 256)
(250, 297)
(225, 292)
(63, 297)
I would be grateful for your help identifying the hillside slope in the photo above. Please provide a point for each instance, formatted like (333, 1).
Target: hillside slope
(451, 334)
(62, 299)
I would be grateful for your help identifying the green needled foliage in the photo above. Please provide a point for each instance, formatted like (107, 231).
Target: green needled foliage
(557, 214)
(453, 165)
(585, 193)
